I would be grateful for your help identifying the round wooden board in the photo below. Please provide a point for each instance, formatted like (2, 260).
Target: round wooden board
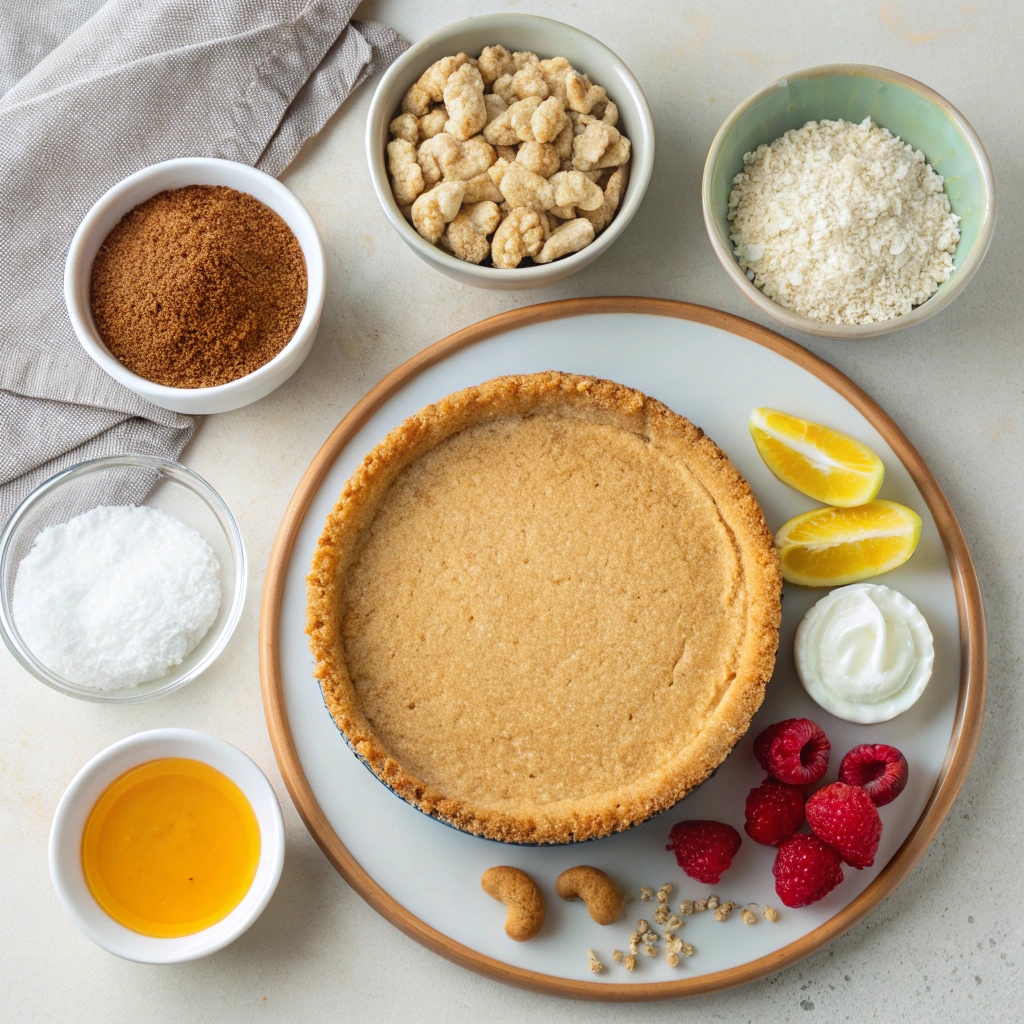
(966, 724)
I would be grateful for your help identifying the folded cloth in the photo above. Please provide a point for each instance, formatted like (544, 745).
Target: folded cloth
(128, 86)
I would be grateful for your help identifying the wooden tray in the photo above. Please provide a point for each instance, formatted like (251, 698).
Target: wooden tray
(712, 367)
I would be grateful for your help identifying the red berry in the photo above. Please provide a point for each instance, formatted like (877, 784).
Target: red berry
(794, 751)
(704, 849)
(774, 811)
(846, 817)
(882, 770)
(805, 870)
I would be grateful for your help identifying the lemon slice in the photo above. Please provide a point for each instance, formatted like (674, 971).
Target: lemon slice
(816, 460)
(831, 547)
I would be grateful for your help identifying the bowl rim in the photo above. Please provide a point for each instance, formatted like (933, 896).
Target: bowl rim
(142, 746)
(640, 171)
(75, 269)
(180, 474)
(797, 321)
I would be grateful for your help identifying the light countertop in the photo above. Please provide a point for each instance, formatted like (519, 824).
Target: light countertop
(949, 944)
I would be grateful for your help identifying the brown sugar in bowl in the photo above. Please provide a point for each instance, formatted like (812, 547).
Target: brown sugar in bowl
(177, 174)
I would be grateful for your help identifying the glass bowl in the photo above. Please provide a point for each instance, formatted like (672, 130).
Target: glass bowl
(127, 480)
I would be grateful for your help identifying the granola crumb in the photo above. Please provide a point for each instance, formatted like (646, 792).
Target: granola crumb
(650, 937)
(686, 908)
(642, 926)
(650, 950)
(687, 949)
(661, 914)
(593, 963)
(674, 945)
(633, 948)
(630, 962)
(672, 959)
(770, 913)
(722, 913)
(712, 902)
(747, 916)
(674, 921)
(700, 905)
(617, 955)
(646, 893)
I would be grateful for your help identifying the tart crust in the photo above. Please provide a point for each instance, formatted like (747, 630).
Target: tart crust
(452, 718)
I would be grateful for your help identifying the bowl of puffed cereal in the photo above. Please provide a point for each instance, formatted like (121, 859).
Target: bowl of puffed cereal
(848, 201)
(509, 151)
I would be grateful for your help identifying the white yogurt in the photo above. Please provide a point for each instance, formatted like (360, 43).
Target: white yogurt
(864, 653)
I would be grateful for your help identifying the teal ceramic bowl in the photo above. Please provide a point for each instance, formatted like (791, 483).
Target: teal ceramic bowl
(852, 92)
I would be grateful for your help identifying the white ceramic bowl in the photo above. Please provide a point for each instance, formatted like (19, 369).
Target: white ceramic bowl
(121, 479)
(546, 38)
(143, 185)
(81, 796)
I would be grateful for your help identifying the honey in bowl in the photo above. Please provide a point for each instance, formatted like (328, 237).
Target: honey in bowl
(170, 848)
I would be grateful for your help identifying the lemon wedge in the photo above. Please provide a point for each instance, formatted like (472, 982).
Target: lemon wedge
(831, 547)
(816, 460)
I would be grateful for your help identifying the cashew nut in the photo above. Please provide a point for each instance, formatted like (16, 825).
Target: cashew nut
(406, 176)
(567, 238)
(604, 899)
(503, 87)
(432, 122)
(407, 127)
(464, 101)
(519, 235)
(613, 190)
(539, 157)
(590, 146)
(548, 120)
(522, 187)
(434, 209)
(519, 892)
(574, 188)
(468, 232)
(495, 61)
(530, 82)
(582, 96)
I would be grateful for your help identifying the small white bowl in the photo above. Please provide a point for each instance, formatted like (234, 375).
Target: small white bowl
(79, 799)
(546, 38)
(145, 184)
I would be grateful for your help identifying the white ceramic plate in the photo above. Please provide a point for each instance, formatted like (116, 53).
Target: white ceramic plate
(424, 875)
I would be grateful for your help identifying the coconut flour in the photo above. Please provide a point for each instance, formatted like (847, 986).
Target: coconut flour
(116, 596)
(843, 223)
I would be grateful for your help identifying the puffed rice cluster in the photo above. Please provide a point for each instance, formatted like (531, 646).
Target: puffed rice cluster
(507, 157)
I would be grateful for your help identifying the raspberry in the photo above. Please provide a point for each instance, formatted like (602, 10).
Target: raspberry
(846, 817)
(882, 770)
(704, 849)
(794, 751)
(774, 812)
(805, 870)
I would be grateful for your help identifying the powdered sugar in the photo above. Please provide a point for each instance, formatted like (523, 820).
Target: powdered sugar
(116, 596)
(842, 222)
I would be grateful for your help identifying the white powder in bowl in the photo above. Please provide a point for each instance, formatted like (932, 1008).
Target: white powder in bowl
(843, 223)
(117, 596)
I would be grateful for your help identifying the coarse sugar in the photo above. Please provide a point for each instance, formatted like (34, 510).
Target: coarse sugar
(842, 222)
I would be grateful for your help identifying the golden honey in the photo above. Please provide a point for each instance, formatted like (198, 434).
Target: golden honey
(170, 848)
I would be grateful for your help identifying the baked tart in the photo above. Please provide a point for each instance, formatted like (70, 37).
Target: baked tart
(544, 609)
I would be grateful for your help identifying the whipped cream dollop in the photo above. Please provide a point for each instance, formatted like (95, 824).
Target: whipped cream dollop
(864, 653)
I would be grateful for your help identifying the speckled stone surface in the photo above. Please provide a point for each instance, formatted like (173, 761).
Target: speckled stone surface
(949, 945)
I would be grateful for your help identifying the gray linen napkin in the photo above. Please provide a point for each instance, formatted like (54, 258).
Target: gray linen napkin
(93, 93)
